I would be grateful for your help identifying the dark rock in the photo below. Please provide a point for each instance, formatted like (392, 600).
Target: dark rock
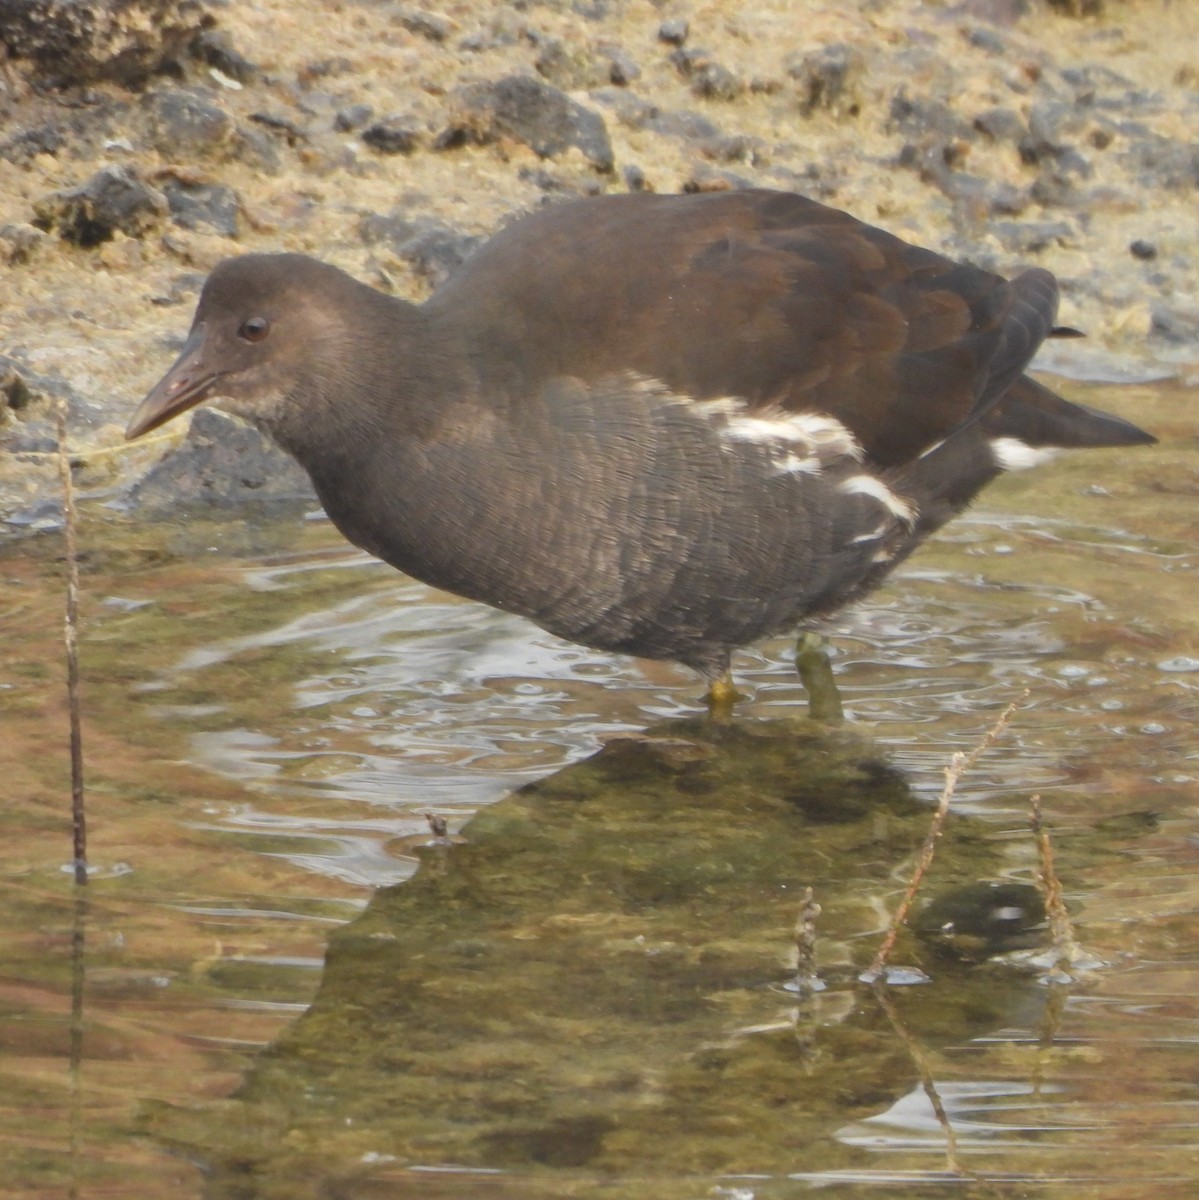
(186, 125)
(431, 26)
(572, 67)
(215, 47)
(622, 69)
(282, 127)
(1078, 8)
(504, 27)
(72, 42)
(433, 249)
(199, 205)
(829, 80)
(1057, 183)
(628, 108)
(711, 81)
(393, 135)
(19, 244)
(531, 112)
(634, 179)
(1051, 127)
(1001, 124)
(1145, 251)
(1177, 324)
(555, 185)
(1031, 237)
(1164, 162)
(710, 179)
(987, 39)
(222, 462)
(24, 145)
(737, 147)
(688, 126)
(14, 391)
(674, 31)
(353, 116)
(925, 119)
(113, 199)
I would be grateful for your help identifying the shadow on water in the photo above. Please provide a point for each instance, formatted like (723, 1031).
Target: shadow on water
(594, 983)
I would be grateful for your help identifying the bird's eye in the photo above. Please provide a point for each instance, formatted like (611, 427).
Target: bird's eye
(254, 330)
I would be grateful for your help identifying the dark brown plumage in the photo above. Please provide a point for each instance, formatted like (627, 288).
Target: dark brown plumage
(661, 425)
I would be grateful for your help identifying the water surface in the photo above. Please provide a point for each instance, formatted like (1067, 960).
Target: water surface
(270, 718)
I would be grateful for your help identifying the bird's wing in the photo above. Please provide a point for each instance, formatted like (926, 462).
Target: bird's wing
(764, 296)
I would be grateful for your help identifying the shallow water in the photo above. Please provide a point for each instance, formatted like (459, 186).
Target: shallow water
(270, 717)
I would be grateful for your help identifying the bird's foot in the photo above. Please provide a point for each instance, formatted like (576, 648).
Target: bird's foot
(722, 697)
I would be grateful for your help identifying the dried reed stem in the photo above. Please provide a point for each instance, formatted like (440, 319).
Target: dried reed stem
(71, 641)
(806, 979)
(958, 765)
(952, 1162)
(1061, 928)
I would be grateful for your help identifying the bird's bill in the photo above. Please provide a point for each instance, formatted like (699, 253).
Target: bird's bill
(186, 384)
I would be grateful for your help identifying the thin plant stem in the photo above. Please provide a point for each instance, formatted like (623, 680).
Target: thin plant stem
(958, 765)
(71, 641)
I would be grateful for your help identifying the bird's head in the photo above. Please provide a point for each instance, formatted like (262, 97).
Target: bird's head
(256, 337)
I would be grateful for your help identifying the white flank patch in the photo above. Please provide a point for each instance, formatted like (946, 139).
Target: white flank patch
(1014, 455)
(810, 429)
(869, 485)
(872, 536)
(792, 464)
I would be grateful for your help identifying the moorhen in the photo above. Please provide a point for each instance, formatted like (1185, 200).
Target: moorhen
(659, 425)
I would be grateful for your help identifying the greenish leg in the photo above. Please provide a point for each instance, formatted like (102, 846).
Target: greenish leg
(816, 674)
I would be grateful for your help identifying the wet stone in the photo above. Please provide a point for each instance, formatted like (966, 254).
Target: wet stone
(531, 112)
(201, 206)
(221, 462)
(113, 200)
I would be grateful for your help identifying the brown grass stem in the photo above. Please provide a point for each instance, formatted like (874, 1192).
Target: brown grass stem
(71, 641)
(958, 765)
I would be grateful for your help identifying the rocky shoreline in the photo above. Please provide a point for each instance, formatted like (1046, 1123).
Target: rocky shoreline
(141, 141)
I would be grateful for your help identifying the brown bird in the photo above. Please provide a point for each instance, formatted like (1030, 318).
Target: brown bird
(660, 425)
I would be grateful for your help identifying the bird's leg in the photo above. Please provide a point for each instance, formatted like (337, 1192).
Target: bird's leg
(816, 675)
(722, 695)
